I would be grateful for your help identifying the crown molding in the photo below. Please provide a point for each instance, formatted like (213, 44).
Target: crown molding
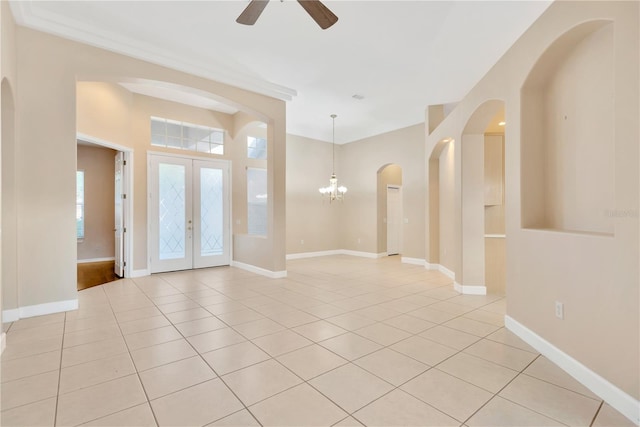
(27, 14)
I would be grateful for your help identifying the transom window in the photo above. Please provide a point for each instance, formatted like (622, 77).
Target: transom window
(186, 136)
(256, 148)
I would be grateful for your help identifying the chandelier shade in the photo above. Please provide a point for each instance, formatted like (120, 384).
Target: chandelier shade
(333, 191)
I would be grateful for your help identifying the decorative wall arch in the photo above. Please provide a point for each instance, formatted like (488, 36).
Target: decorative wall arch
(568, 133)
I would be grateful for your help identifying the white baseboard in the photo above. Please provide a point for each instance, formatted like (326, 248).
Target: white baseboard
(259, 270)
(3, 343)
(39, 310)
(470, 290)
(618, 399)
(139, 273)
(335, 252)
(430, 266)
(10, 315)
(363, 254)
(88, 260)
(444, 270)
(414, 261)
(302, 255)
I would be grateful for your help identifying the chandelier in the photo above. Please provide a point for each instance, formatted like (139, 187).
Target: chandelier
(333, 191)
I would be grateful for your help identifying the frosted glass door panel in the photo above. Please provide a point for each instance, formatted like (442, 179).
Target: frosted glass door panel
(211, 208)
(211, 211)
(172, 203)
(170, 207)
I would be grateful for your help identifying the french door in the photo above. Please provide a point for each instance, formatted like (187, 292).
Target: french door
(189, 213)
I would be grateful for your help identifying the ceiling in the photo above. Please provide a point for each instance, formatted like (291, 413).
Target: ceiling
(400, 56)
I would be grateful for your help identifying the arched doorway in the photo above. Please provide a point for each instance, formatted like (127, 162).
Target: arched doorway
(389, 209)
(482, 200)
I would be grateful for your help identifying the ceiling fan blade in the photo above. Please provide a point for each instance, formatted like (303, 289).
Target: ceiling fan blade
(319, 12)
(252, 12)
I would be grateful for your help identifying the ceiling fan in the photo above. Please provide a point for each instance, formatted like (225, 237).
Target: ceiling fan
(318, 11)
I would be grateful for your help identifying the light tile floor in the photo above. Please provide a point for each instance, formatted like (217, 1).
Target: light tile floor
(342, 341)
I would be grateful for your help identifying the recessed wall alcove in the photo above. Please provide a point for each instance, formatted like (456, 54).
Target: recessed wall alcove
(568, 134)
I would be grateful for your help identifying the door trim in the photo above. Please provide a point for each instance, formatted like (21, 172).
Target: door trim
(400, 219)
(127, 186)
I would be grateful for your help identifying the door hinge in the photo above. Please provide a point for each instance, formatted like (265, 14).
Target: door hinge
(124, 264)
(124, 163)
(124, 196)
(124, 230)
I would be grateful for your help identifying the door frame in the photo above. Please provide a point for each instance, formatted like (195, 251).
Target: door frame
(127, 186)
(188, 157)
(400, 217)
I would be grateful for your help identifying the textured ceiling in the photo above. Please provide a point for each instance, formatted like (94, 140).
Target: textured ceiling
(399, 55)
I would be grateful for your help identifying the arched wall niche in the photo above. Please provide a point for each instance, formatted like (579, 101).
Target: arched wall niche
(388, 174)
(568, 133)
(9, 207)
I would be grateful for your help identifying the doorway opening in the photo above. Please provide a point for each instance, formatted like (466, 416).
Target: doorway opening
(389, 218)
(103, 215)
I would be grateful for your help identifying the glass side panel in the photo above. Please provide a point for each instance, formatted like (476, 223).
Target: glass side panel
(257, 201)
(211, 212)
(80, 204)
(172, 204)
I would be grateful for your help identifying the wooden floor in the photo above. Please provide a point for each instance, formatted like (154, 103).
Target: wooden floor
(95, 273)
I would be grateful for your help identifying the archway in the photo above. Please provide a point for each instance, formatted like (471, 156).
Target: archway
(389, 209)
(482, 236)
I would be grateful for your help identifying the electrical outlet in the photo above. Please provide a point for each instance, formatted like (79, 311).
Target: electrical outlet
(301, 241)
(359, 240)
(559, 310)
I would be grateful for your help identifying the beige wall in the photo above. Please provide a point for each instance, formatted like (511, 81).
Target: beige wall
(595, 276)
(447, 206)
(312, 222)
(48, 68)
(98, 165)
(8, 211)
(388, 175)
(314, 225)
(495, 247)
(357, 166)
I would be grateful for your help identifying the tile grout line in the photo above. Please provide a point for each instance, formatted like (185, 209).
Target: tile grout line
(312, 342)
(595, 416)
(205, 362)
(55, 415)
(133, 363)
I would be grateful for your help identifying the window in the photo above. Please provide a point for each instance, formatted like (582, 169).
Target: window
(186, 136)
(80, 204)
(256, 148)
(257, 201)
